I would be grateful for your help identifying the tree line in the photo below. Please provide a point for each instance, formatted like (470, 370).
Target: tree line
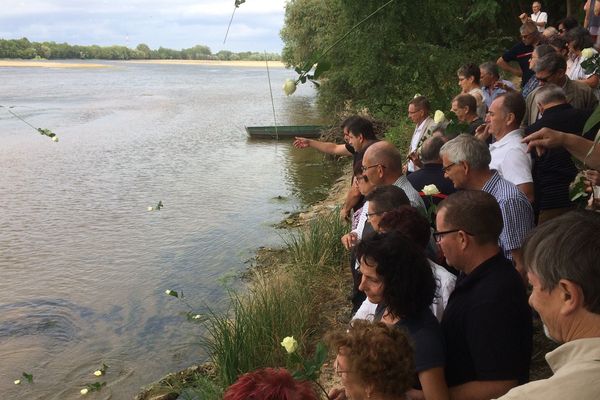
(24, 49)
(405, 49)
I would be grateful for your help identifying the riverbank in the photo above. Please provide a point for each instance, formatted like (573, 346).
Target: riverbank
(299, 290)
(49, 64)
(90, 64)
(330, 311)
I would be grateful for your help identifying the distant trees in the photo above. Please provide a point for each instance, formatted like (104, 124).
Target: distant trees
(23, 48)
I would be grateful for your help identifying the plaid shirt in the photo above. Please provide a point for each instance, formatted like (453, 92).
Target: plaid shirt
(517, 213)
(413, 196)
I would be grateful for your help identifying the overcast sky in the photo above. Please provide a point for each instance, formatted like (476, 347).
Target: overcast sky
(174, 24)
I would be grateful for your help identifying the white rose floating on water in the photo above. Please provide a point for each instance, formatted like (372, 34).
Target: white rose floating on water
(430, 190)
(439, 117)
(84, 391)
(290, 344)
(150, 208)
(18, 382)
(289, 87)
(98, 372)
(587, 53)
(55, 138)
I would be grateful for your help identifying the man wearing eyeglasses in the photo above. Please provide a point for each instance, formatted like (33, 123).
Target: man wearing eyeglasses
(418, 113)
(552, 68)
(487, 323)
(521, 52)
(466, 161)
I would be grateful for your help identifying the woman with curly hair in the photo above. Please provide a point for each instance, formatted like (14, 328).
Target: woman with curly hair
(397, 277)
(374, 361)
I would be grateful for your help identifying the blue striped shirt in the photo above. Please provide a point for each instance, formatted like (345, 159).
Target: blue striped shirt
(517, 212)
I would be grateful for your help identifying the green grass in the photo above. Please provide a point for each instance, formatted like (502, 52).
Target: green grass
(283, 300)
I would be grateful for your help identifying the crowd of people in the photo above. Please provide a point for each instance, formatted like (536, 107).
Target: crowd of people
(458, 246)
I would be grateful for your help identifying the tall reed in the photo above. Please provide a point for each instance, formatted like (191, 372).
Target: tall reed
(285, 300)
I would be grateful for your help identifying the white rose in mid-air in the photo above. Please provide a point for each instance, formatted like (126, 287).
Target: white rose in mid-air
(430, 190)
(439, 116)
(289, 86)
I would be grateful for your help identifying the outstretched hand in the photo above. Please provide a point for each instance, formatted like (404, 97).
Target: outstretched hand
(301, 143)
(545, 138)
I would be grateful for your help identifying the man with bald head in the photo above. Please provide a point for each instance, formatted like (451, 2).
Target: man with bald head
(382, 165)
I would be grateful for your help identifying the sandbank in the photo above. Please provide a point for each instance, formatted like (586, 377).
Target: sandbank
(216, 63)
(49, 64)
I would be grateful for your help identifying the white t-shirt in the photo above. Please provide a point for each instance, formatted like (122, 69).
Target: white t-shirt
(510, 158)
(540, 17)
(445, 282)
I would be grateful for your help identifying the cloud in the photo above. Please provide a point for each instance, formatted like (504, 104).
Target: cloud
(174, 24)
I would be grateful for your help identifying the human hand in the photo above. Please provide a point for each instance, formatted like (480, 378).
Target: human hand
(416, 159)
(349, 240)
(345, 214)
(482, 132)
(337, 394)
(301, 143)
(545, 138)
(593, 177)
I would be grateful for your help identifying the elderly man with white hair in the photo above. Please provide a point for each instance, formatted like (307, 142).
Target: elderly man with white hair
(562, 261)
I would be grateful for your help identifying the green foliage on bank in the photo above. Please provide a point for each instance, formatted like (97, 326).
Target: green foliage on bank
(288, 299)
(406, 48)
(24, 49)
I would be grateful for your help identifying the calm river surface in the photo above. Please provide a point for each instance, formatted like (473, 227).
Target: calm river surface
(83, 264)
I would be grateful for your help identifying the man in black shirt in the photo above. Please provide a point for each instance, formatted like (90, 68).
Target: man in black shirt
(431, 173)
(521, 53)
(487, 323)
(553, 171)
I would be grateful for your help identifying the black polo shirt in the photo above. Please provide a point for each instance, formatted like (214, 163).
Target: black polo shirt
(431, 174)
(554, 170)
(521, 54)
(487, 326)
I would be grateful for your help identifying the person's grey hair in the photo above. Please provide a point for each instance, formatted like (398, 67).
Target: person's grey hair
(466, 148)
(550, 63)
(430, 151)
(544, 49)
(528, 28)
(550, 93)
(491, 68)
(567, 247)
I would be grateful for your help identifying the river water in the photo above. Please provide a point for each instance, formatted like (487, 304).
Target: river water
(83, 264)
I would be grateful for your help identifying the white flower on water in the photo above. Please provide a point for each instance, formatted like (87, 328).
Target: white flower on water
(84, 391)
(55, 138)
(430, 190)
(168, 291)
(18, 382)
(98, 372)
(289, 86)
(439, 117)
(150, 208)
(197, 316)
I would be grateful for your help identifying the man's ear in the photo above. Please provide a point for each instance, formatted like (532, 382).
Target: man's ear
(571, 295)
